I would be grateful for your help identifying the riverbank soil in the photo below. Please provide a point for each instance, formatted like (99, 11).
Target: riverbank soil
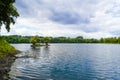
(5, 65)
(7, 57)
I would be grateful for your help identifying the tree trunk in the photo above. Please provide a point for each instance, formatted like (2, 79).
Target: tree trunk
(34, 44)
(46, 43)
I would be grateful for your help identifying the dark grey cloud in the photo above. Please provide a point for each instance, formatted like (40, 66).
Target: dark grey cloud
(26, 8)
(68, 18)
(21, 4)
(90, 29)
(22, 7)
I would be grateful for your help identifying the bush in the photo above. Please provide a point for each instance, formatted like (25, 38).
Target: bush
(6, 49)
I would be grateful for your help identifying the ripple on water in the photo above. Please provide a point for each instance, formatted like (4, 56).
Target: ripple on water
(68, 62)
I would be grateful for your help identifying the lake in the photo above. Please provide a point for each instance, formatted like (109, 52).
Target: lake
(67, 62)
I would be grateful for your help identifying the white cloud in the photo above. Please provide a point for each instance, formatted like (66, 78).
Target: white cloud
(94, 18)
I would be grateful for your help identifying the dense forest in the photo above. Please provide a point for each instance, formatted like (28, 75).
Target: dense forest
(79, 39)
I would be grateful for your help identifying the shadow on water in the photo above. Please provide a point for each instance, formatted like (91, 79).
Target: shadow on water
(35, 52)
(40, 52)
(46, 50)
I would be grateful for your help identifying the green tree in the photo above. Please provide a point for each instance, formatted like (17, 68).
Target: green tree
(79, 37)
(102, 40)
(46, 40)
(119, 40)
(8, 13)
(34, 40)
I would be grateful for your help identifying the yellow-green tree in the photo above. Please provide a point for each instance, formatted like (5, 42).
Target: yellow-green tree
(46, 40)
(34, 40)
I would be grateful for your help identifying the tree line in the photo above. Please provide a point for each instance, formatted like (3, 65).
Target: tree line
(79, 39)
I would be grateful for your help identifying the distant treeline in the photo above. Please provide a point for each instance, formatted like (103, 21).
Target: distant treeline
(79, 39)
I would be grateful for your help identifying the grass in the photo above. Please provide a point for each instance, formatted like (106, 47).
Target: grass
(6, 49)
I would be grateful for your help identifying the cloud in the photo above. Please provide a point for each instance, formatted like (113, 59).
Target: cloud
(88, 18)
(67, 18)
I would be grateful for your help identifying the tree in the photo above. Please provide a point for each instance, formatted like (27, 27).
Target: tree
(34, 40)
(46, 40)
(79, 37)
(119, 40)
(8, 13)
(102, 40)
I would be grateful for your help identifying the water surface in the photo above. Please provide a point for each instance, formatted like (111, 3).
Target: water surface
(68, 62)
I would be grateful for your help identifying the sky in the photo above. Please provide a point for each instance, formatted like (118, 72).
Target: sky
(69, 18)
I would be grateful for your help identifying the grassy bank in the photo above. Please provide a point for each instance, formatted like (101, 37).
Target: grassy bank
(6, 49)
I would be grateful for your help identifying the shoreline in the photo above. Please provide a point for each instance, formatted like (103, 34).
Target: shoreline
(6, 63)
(5, 66)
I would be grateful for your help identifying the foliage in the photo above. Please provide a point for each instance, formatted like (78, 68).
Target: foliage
(25, 39)
(8, 13)
(6, 49)
(34, 40)
(47, 39)
(110, 40)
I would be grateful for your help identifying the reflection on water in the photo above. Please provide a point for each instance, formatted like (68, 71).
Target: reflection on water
(68, 62)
